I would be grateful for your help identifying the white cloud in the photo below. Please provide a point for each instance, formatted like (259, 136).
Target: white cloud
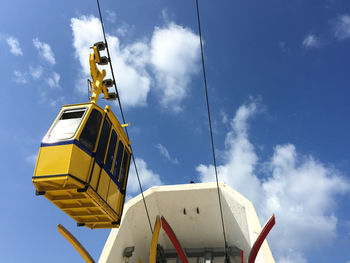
(300, 190)
(225, 118)
(36, 72)
(23, 77)
(164, 152)
(292, 257)
(347, 226)
(312, 41)
(31, 159)
(173, 54)
(20, 77)
(282, 44)
(342, 27)
(148, 178)
(46, 98)
(45, 51)
(174, 57)
(129, 63)
(54, 80)
(86, 31)
(165, 15)
(111, 16)
(302, 193)
(239, 156)
(284, 47)
(124, 29)
(14, 45)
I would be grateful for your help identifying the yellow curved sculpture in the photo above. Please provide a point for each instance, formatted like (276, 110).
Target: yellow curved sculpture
(75, 243)
(155, 236)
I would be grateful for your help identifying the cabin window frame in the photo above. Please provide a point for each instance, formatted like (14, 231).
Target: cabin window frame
(47, 138)
(122, 183)
(116, 176)
(101, 159)
(109, 169)
(84, 127)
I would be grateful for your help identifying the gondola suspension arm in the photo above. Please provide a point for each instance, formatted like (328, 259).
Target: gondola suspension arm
(98, 84)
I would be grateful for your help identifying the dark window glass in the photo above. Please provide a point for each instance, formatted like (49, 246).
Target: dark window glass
(89, 134)
(72, 114)
(125, 168)
(118, 160)
(102, 145)
(111, 149)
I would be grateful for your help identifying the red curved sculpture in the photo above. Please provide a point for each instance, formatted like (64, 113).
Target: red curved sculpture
(174, 240)
(256, 247)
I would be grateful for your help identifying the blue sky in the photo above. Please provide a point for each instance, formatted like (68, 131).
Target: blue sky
(278, 84)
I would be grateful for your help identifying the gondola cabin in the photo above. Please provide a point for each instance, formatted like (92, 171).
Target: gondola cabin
(83, 163)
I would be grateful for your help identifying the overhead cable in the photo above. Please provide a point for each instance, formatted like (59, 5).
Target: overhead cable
(211, 131)
(122, 114)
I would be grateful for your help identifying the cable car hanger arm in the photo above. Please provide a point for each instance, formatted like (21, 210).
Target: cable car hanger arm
(99, 85)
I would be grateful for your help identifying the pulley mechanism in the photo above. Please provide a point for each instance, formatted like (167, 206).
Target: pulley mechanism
(98, 85)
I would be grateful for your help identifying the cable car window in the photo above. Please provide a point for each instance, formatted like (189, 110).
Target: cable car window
(118, 160)
(102, 145)
(124, 171)
(66, 126)
(111, 149)
(89, 134)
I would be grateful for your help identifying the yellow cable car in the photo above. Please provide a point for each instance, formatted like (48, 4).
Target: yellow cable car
(83, 161)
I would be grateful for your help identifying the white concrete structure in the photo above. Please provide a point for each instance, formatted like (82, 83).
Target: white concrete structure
(193, 212)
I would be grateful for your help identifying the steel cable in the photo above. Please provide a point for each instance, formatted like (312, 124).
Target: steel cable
(211, 130)
(122, 114)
